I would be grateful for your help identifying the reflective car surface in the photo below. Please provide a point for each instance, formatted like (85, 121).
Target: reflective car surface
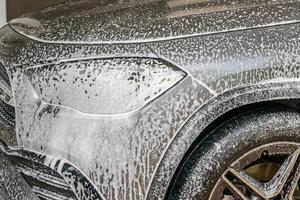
(144, 100)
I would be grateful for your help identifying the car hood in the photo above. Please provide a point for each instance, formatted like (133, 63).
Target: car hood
(151, 20)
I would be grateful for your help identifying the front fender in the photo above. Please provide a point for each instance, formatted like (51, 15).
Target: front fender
(206, 115)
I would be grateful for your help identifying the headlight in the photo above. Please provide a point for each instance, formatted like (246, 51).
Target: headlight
(104, 86)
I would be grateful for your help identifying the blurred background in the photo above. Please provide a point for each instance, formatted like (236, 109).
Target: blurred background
(10, 9)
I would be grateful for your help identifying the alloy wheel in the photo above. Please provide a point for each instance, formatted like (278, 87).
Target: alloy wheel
(269, 172)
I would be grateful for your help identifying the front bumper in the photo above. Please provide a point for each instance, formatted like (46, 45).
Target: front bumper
(33, 176)
(12, 183)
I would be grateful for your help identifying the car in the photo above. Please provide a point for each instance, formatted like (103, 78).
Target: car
(151, 100)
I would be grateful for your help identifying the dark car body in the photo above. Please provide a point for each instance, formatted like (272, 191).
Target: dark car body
(110, 96)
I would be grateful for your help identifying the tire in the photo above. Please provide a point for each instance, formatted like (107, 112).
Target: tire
(228, 142)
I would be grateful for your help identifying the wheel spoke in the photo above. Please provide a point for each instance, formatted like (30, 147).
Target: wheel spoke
(248, 182)
(234, 190)
(292, 180)
(285, 177)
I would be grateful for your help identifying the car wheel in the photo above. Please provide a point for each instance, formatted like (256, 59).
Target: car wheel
(252, 156)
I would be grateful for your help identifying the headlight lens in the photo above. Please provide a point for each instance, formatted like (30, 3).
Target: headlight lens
(104, 86)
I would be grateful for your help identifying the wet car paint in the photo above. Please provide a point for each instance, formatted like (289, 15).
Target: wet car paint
(146, 21)
(132, 152)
